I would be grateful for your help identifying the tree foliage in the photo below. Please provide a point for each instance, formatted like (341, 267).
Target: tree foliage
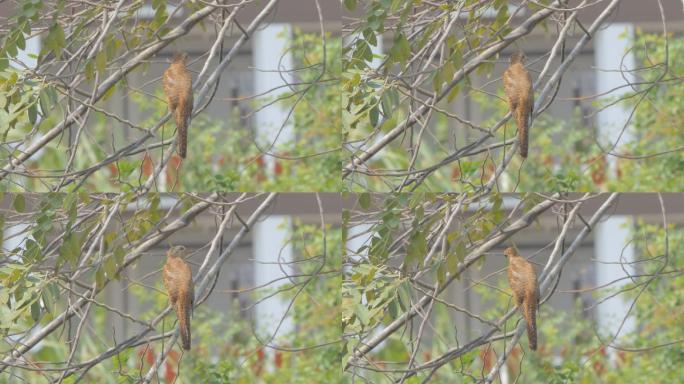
(399, 308)
(651, 161)
(64, 121)
(404, 131)
(69, 248)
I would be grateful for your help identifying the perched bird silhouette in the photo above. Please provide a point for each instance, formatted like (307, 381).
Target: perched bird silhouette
(518, 88)
(178, 89)
(523, 281)
(178, 282)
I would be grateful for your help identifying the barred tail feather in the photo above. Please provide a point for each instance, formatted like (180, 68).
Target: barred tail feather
(184, 320)
(182, 125)
(523, 126)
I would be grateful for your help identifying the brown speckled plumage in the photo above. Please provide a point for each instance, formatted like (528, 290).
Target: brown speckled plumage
(518, 88)
(523, 281)
(178, 282)
(178, 89)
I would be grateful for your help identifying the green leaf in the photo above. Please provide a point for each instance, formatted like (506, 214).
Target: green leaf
(21, 43)
(350, 4)
(441, 274)
(101, 61)
(437, 80)
(55, 40)
(345, 225)
(33, 113)
(452, 264)
(49, 298)
(448, 71)
(390, 99)
(369, 35)
(404, 292)
(33, 252)
(110, 267)
(362, 313)
(417, 249)
(401, 50)
(363, 51)
(89, 70)
(4, 62)
(364, 201)
(374, 115)
(69, 206)
(19, 203)
(45, 103)
(99, 278)
(35, 310)
(71, 248)
(388, 124)
(502, 15)
(11, 49)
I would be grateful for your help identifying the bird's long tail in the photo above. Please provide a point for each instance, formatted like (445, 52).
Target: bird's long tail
(182, 119)
(182, 140)
(531, 320)
(184, 323)
(523, 127)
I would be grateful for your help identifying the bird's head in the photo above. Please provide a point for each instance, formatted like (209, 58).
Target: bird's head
(177, 251)
(180, 57)
(510, 252)
(518, 57)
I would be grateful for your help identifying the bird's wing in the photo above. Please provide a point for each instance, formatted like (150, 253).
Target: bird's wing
(169, 83)
(516, 275)
(509, 83)
(167, 279)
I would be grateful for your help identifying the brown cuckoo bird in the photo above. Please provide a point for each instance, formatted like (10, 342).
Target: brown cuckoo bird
(523, 281)
(518, 88)
(178, 89)
(178, 282)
